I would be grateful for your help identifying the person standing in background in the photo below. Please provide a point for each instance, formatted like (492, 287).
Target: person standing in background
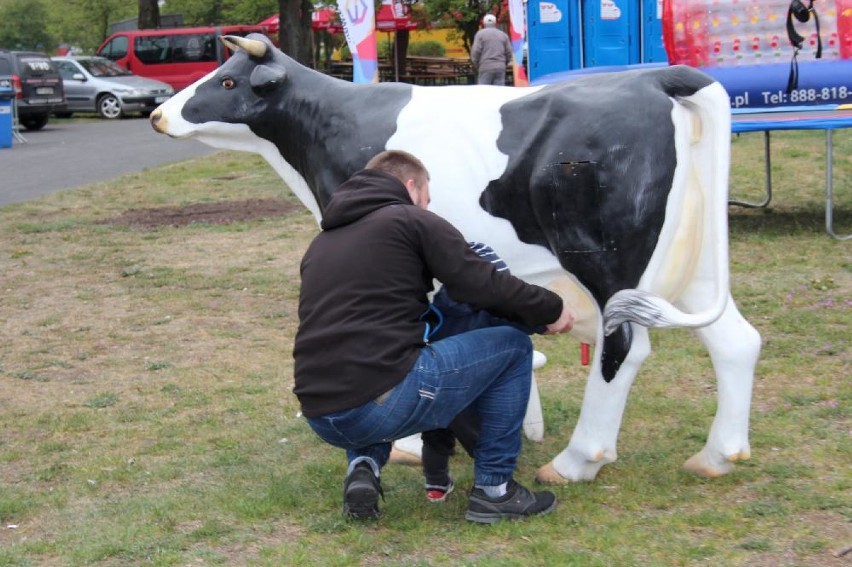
(491, 53)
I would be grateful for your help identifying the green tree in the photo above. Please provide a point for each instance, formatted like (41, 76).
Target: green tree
(217, 12)
(149, 14)
(249, 11)
(85, 23)
(24, 25)
(464, 15)
(198, 12)
(295, 34)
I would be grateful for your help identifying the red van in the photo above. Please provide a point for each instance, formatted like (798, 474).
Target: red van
(177, 56)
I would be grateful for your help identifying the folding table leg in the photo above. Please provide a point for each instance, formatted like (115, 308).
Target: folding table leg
(768, 198)
(829, 187)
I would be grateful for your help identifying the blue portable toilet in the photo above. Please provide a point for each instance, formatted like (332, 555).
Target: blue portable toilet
(573, 34)
(653, 48)
(7, 98)
(610, 32)
(553, 27)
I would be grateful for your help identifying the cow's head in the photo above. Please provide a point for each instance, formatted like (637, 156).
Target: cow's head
(244, 105)
(222, 108)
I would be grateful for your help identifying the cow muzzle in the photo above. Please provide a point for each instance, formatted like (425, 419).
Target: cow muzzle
(158, 121)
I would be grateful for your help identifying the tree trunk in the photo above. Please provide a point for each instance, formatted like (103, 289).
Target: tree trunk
(149, 14)
(295, 33)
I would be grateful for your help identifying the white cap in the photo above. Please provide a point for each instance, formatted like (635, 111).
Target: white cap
(489, 19)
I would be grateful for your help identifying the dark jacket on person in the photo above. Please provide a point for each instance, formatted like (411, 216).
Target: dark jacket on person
(365, 280)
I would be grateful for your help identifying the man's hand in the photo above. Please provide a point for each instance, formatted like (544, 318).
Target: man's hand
(562, 325)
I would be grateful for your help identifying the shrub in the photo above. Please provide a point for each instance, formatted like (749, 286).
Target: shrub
(430, 48)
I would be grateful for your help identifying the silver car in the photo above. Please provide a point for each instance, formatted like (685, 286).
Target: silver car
(96, 84)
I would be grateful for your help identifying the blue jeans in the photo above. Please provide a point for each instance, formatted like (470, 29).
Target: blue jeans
(487, 370)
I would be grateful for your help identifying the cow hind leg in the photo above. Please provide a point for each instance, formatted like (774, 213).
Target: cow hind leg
(734, 346)
(593, 443)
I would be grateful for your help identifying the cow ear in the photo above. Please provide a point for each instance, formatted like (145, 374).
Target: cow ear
(265, 77)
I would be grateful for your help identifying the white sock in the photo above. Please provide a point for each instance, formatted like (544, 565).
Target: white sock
(493, 491)
(359, 460)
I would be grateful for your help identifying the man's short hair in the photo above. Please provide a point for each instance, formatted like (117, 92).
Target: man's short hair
(400, 164)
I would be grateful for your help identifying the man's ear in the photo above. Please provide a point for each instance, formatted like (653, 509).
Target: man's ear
(411, 186)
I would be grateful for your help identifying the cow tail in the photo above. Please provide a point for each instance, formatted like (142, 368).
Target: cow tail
(711, 106)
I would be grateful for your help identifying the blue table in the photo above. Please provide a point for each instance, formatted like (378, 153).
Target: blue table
(828, 118)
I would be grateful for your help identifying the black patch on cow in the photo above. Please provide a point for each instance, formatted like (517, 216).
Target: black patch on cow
(591, 163)
(615, 349)
(573, 191)
(307, 115)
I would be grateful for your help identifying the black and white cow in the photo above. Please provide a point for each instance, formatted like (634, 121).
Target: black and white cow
(610, 189)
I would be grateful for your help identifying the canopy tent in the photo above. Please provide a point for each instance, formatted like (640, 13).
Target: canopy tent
(390, 17)
(271, 23)
(325, 19)
(322, 19)
(393, 17)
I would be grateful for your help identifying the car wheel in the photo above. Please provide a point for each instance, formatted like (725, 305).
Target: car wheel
(109, 107)
(35, 122)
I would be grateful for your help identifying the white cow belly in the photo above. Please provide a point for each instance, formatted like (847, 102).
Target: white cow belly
(456, 138)
(583, 308)
(458, 145)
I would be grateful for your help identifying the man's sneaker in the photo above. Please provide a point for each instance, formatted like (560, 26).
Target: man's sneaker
(361, 492)
(438, 493)
(517, 503)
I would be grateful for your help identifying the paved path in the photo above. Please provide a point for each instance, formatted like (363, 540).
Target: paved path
(66, 155)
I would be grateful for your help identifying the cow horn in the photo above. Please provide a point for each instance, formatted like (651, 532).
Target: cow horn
(253, 47)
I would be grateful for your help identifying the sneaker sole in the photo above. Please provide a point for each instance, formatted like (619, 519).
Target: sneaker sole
(494, 517)
(362, 503)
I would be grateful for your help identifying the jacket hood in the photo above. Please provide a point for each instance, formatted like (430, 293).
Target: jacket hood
(366, 191)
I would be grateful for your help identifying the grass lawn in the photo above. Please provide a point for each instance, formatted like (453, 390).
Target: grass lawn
(147, 417)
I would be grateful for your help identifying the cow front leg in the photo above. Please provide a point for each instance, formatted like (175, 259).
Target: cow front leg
(734, 347)
(593, 443)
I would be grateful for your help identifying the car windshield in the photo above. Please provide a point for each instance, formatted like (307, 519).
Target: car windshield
(103, 68)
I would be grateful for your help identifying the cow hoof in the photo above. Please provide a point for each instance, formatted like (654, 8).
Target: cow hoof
(698, 466)
(403, 458)
(574, 466)
(743, 455)
(549, 475)
(701, 465)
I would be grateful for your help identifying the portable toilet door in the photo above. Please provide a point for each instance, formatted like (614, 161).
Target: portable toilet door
(653, 48)
(611, 32)
(553, 29)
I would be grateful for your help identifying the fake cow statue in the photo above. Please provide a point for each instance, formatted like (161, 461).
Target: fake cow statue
(610, 189)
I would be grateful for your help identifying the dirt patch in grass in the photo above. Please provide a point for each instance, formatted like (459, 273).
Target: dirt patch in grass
(225, 212)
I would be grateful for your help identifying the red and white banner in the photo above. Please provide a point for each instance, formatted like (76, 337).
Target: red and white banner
(517, 34)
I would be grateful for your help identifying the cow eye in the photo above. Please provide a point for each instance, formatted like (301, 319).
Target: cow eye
(228, 83)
